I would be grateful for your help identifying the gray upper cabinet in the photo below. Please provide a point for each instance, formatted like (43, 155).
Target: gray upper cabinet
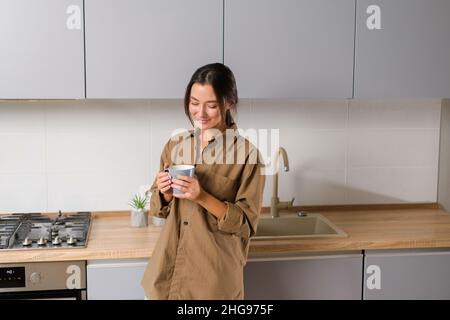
(149, 48)
(41, 49)
(290, 48)
(402, 49)
(407, 274)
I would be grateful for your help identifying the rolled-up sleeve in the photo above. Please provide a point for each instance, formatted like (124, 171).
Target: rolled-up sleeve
(242, 216)
(158, 207)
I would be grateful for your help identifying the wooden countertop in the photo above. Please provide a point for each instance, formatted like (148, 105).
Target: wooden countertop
(372, 229)
(112, 237)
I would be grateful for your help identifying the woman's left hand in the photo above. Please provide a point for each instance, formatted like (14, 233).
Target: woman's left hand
(189, 185)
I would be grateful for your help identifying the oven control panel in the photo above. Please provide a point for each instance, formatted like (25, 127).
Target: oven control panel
(12, 277)
(42, 276)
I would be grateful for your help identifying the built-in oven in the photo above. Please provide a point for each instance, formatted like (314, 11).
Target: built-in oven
(43, 280)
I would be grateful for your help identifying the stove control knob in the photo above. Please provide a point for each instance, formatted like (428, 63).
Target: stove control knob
(27, 242)
(35, 277)
(72, 241)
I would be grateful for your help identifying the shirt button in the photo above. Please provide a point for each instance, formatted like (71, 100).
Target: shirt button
(185, 223)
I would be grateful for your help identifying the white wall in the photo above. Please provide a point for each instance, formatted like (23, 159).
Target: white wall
(95, 154)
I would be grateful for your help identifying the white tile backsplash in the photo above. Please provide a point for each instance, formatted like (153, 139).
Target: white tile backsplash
(393, 147)
(98, 116)
(392, 185)
(309, 150)
(291, 114)
(22, 117)
(309, 186)
(93, 191)
(106, 153)
(22, 153)
(95, 154)
(396, 113)
(167, 118)
(23, 192)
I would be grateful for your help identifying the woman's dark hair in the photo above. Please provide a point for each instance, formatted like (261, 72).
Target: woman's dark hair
(221, 78)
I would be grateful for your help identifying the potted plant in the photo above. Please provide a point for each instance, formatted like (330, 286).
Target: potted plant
(139, 215)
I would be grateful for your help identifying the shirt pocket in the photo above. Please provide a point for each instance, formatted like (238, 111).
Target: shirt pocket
(231, 248)
(221, 187)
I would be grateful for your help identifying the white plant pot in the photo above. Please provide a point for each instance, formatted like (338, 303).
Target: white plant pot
(139, 218)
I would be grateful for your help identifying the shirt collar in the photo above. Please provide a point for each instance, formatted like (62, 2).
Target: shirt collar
(229, 130)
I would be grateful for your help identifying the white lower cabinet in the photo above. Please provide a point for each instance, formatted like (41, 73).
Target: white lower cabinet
(118, 279)
(305, 276)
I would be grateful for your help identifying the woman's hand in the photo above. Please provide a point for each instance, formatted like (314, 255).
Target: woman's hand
(163, 182)
(193, 191)
(189, 185)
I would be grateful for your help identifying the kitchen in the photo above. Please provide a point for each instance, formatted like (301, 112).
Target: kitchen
(87, 88)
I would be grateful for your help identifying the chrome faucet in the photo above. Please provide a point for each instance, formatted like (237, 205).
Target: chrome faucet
(276, 205)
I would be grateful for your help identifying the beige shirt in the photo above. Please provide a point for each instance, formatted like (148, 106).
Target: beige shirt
(198, 256)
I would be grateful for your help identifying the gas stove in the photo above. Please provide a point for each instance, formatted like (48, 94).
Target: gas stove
(42, 231)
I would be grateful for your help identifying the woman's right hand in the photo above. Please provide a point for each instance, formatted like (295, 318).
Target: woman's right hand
(163, 182)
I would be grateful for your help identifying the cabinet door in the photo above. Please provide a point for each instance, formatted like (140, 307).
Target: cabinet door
(149, 48)
(409, 55)
(290, 48)
(41, 49)
(304, 277)
(407, 274)
(115, 279)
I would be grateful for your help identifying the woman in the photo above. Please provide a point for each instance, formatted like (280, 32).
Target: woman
(203, 246)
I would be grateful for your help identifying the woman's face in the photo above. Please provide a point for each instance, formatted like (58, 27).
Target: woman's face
(204, 108)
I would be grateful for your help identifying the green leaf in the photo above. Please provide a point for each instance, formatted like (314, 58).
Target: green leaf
(138, 202)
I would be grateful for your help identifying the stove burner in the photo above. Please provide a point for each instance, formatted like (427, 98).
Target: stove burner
(42, 242)
(60, 219)
(27, 242)
(72, 241)
(54, 231)
(57, 241)
(32, 230)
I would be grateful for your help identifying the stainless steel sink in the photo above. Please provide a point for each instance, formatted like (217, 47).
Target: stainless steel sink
(313, 225)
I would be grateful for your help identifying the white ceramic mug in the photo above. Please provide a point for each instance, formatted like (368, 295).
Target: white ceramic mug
(181, 170)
